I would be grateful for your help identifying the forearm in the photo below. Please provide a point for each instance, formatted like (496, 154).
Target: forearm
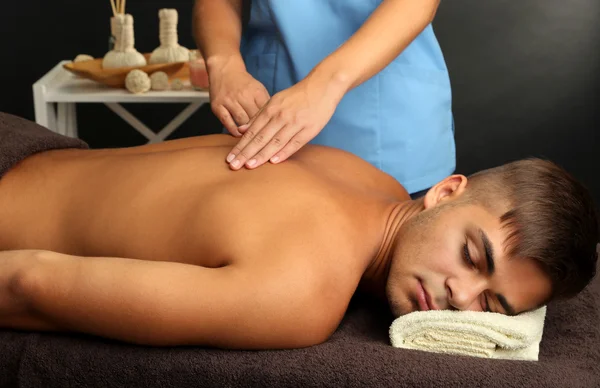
(384, 35)
(124, 299)
(217, 28)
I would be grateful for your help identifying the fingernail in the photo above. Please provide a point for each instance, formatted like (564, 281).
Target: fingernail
(235, 164)
(275, 159)
(251, 162)
(243, 127)
(230, 158)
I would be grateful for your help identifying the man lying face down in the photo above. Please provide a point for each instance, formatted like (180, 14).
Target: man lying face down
(164, 245)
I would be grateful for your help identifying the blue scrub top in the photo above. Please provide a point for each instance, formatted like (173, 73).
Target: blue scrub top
(400, 120)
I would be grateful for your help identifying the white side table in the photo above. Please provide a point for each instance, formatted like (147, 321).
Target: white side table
(63, 89)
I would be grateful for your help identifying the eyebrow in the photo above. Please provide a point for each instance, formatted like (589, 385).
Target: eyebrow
(491, 267)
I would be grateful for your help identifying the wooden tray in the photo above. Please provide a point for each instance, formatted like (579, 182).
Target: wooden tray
(116, 77)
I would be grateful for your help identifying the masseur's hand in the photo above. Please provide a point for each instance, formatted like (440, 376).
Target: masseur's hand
(287, 122)
(235, 96)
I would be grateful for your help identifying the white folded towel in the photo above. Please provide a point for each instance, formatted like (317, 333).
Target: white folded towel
(471, 333)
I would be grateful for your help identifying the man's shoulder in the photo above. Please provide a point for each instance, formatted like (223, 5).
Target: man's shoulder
(352, 169)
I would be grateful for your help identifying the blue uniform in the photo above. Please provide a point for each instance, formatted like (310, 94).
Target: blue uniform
(400, 120)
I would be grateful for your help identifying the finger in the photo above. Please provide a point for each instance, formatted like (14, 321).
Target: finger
(295, 143)
(223, 115)
(236, 111)
(241, 116)
(243, 128)
(250, 107)
(277, 143)
(258, 142)
(248, 135)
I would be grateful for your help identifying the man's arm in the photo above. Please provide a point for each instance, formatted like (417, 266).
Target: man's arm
(156, 303)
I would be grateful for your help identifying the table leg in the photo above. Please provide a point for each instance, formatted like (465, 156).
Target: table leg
(71, 119)
(66, 120)
(45, 115)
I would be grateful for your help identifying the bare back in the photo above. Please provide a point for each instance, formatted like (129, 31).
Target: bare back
(154, 202)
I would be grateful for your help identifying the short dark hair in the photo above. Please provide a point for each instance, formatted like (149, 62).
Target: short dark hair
(550, 216)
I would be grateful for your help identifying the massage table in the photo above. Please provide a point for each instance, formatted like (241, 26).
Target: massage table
(357, 355)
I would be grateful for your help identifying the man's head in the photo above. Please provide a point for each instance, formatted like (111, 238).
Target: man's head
(507, 239)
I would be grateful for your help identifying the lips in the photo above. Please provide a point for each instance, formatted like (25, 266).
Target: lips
(430, 302)
(422, 298)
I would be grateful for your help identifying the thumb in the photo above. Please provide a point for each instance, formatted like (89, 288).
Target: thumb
(243, 128)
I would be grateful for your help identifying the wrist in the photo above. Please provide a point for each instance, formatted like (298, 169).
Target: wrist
(335, 82)
(228, 62)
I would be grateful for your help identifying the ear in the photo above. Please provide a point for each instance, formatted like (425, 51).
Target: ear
(448, 189)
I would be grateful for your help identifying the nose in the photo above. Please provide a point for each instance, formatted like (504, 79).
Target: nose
(463, 293)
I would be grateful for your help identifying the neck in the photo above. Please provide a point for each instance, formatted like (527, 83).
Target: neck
(375, 276)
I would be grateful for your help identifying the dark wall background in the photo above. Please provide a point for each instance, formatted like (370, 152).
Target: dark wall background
(525, 74)
(526, 82)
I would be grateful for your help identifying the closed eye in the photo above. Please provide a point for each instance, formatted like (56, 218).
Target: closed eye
(467, 256)
(485, 305)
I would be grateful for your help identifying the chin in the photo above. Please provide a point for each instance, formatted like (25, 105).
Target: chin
(397, 312)
(398, 309)
(400, 302)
